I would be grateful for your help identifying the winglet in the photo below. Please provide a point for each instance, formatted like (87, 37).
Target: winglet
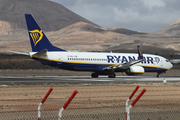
(140, 55)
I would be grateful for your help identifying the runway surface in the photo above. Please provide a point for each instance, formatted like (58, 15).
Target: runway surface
(84, 79)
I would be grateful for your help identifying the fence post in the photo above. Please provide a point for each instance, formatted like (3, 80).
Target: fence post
(137, 87)
(128, 108)
(66, 104)
(43, 100)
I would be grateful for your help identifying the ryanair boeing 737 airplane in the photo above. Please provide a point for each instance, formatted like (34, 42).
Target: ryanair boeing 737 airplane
(97, 63)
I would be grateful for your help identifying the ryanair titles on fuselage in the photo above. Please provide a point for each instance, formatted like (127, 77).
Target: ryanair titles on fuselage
(124, 59)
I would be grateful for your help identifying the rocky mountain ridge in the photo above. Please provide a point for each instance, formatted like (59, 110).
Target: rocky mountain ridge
(69, 31)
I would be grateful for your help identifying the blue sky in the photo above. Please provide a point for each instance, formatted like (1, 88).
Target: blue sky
(138, 15)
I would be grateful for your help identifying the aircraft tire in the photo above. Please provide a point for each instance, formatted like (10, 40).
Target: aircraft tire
(128, 71)
(113, 75)
(94, 75)
(158, 75)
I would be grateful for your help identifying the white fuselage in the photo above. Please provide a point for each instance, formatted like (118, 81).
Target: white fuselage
(91, 61)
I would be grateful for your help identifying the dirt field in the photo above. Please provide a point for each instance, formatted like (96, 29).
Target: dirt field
(27, 97)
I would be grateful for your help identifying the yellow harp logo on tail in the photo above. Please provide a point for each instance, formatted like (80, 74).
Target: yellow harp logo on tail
(36, 36)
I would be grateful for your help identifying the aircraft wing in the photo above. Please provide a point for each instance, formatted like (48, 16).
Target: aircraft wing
(123, 65)
(127, 64)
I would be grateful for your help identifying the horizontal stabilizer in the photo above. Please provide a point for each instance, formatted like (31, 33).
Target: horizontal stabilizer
(22, 53)
(42, 52)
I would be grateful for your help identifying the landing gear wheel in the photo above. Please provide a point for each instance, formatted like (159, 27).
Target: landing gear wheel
(94, 75)
(158, 75)
(112, 75)
(128, 71)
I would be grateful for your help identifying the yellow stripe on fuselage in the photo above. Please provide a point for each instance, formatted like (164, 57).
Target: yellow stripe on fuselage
(137, 72)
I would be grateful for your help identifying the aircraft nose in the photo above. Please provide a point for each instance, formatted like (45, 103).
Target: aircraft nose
(170, 65)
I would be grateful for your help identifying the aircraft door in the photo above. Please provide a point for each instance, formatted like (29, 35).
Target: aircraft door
(60, 59)
(161, 63)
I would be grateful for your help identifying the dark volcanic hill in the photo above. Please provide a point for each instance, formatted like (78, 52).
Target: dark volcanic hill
(51, 16)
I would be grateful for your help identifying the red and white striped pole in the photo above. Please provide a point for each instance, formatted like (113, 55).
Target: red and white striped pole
(43, 100)
(133, 103)
(66, 104)
(127, 105)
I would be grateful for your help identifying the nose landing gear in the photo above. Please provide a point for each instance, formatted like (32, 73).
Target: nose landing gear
(158, 75)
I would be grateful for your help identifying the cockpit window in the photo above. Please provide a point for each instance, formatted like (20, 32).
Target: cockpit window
(167, 60)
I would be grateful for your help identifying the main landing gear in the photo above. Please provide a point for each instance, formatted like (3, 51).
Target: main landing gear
(95, 75)
(112, 75)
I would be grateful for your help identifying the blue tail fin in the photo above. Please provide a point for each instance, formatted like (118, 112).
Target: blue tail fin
(140, 56)
(38, 39)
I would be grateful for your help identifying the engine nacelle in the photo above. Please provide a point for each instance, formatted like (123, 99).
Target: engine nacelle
(135, 70)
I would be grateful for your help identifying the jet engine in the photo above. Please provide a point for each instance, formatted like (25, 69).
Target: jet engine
(135, 70)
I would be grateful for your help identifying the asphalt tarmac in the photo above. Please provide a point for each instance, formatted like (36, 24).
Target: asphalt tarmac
(84, 79)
